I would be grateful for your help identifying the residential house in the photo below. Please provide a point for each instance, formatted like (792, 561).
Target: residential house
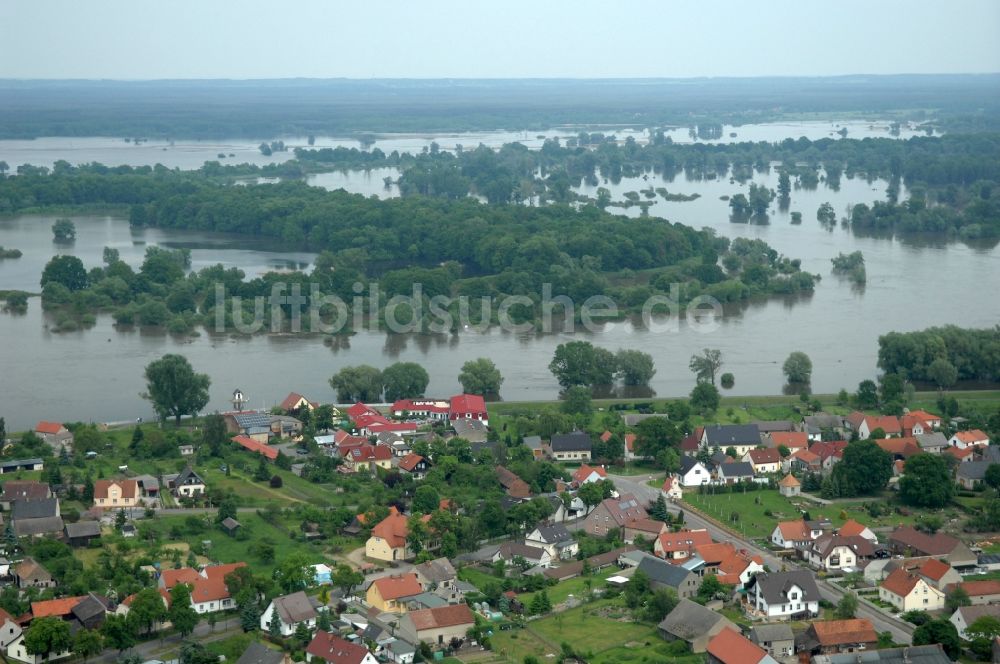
(255, 425)
(535, 556)
(647, 529)
(829, 453)
(935, 572)
(439, 577)
(415, 465)
(966, 615)
(290, 611)
(555, 539)
(428, 409)
(694, 472)
(473, 431)
(538, 449)
(741, 437)
(899, 449)
(390, 592)
(515, 486)
(388, 538)
(803, 461)
(629, 444)
(764, 460)
(839, 636)
(116, 494)
(258, 653)
(979, 592)
(965, 439)
(285, 426)
(691, 444)
(789, 486)
(322, 574)
(830, 552)
(852, 528)
(209, 593)
(734, 472)
(437, 626)
(29, 573)
(585, 474)
(934, 442)
(777, 639)
(865, 425)
(33, 518)
(792, 440)
(575, 446)
(468, 407)
(672, 489)
(733, 567)
(295, 401)
(910, 542)
(771, 426)
(819, 423)
(9, 630)
(55, 435)
(332, 649)
(188, 484)
(681, 545)
(365, 458)
(730, 647)
(82, 533)
(613, 513)
(664, 575)
(960, 455)
(90, 611)
(694, 624)
(796, 534)
(784, 595)
(930, 420)
(971, 475)
(23, 490)
(908, 591)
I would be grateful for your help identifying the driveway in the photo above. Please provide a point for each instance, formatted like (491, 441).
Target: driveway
(902, 632)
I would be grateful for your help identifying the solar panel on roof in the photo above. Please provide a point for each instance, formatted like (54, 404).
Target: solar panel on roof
(247, 420)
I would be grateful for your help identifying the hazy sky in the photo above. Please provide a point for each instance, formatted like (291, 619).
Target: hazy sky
(141, 39)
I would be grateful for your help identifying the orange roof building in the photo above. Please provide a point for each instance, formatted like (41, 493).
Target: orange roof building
(388, 592)
(731, 647)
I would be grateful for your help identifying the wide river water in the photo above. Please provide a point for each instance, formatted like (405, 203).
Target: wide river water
(96, 374)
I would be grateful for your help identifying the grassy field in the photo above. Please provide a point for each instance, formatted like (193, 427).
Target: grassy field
(753, 521)
(601, 629)
(576, 586)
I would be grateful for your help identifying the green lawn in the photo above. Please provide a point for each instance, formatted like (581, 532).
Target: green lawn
(600, 630)
(753, 521)
(477, 577)
(576, 586)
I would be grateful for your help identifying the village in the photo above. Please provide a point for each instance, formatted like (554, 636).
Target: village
(432, 529)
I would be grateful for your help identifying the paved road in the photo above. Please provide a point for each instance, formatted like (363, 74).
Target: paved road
(169, 646)
(901, 631)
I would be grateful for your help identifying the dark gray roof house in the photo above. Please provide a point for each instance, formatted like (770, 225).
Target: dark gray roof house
(767, 426)
(687, 463)
(36, 517)
(81, 532)
(739, 470)
(934, 441)
(437, 571)
(724, 435)
(577, 441)
(777, 638)
(295, 608)
(972, 471)
(258, 653)
(693, 624)
(664, 575)
(774, 585)
(90, 611)
(553, 533)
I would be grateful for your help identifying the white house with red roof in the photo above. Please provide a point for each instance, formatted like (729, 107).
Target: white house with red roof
(431, 409)
(764, 460)
(672, 489)
(332, 649)
(966, 439)
(852, 528)
(795, 534)
(681, 545)
(468, 407)
(585, 474)
(209, 593)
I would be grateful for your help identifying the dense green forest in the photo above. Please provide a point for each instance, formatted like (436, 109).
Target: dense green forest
(450, 247)
(267, 109)
(942, 355)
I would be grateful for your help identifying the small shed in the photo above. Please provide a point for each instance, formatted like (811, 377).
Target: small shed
(230, 525)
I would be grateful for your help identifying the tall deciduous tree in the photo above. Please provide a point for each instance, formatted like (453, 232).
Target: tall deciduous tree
(46, 636)
(706, 365)
(67, 271)
(798, 368)
(174, 388)
(404, 380)
(635, 367)
(480, 376)
(927, 481)
(705, 398)
(865, 469)
(359, 383)
(582, 363)
(182, 614)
